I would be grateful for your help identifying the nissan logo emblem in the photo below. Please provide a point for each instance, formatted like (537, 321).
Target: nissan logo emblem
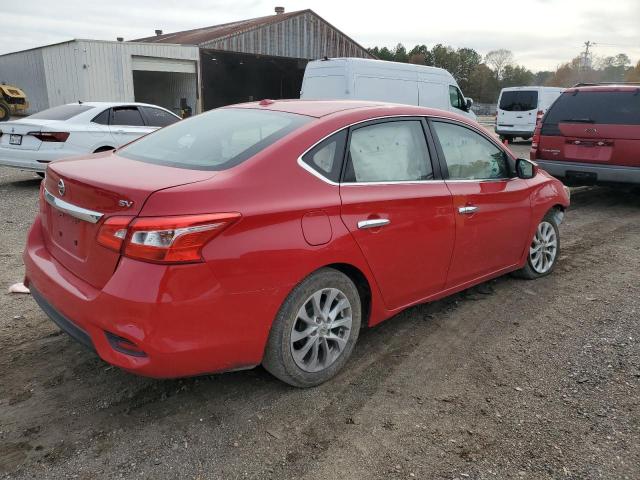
(61, 188)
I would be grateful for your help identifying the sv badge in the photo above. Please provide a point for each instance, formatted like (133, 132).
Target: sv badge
(125, 203)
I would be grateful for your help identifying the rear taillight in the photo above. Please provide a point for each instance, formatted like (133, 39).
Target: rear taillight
(539, 116)
(176, 239)
(533, 153)
(113, 232)
(50, 136)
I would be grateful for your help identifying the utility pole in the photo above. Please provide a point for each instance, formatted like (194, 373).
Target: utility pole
(586, 63)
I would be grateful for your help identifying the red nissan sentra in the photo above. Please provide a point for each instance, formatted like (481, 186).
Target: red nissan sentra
(270, 233)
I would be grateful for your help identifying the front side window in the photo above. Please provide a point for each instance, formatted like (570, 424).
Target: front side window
(468, 155)
(216, 140)
(158, 118)
(456, 98)
(127, 116)
(389, 152)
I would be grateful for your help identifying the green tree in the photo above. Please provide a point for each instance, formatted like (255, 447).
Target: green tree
(483, 85)
(516, 76)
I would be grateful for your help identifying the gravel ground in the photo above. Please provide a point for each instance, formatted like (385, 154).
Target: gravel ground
(511, 379)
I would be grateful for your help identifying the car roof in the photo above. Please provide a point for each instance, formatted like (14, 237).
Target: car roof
(604, 88)
(115, 104)
(322, 108)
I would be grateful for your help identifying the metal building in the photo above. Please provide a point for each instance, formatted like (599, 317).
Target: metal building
(205, 68)
(95, 70)
(262, 57)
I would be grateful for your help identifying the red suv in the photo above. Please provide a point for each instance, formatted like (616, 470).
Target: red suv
(270, 233)
(591, 135)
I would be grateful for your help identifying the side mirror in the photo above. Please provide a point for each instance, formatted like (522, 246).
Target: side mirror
(525, 169)
(469, 103)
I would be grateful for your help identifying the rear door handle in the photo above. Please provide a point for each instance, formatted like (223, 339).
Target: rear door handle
(373, 223)
(120, 131)
(469, 209)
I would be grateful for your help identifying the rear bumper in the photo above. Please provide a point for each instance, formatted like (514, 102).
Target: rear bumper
(603, 173)
(179, 316)
(514, 132)
(32, 160)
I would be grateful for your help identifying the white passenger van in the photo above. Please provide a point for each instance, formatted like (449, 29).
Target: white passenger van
(519, 108)
(364, 79)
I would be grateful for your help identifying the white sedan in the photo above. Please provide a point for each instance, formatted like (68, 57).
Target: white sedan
(32, 142)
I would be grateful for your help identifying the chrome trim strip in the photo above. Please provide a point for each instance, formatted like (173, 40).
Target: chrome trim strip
(393, 182)
(71, 209)
(335, 184)
(373, 223)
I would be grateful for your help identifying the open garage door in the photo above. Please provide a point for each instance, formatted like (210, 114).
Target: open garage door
(170, 83)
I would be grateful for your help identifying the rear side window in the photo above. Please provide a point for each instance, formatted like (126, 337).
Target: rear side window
(518, 100)
(63, 112)
(158, 118)
(388, 152)
(326, 157)
(216, 140)
(127, 116)
(102, 118)
(613, 108)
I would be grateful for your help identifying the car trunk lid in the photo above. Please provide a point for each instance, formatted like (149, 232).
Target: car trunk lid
(18, 135)
(81, 194)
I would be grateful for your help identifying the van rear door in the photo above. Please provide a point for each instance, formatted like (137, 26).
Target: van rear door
(517, 111)
(593, 126)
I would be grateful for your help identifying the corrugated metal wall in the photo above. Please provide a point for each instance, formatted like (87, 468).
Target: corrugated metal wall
(101, 71)
(303, 36)
(25, 70)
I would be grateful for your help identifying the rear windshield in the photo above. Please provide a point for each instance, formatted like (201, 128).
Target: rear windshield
(215, 140)
(518, 100)
(63, 112)
(614, 108)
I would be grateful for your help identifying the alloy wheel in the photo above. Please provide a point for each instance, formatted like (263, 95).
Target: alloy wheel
(321, 330)
(544, 248)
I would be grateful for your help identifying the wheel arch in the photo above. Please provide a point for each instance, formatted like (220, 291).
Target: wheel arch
(362, 284)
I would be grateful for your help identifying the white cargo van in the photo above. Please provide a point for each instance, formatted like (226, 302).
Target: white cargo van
(364, 79)
(519, 108)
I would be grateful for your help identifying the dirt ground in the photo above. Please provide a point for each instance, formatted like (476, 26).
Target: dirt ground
(511, 379)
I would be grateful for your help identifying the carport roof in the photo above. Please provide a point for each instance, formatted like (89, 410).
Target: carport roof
(201, 36)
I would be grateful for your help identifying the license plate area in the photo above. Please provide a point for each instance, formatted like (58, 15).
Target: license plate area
(69, 233)
(15, 139)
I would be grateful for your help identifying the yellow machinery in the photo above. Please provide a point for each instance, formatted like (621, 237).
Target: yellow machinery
(13, 101)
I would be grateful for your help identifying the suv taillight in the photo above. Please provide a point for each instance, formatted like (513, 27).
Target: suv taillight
(533, 153)
(175, 239)
(539, 116)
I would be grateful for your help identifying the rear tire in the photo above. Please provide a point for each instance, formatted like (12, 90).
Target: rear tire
(5, 113)
(544, 249)
(314, 333)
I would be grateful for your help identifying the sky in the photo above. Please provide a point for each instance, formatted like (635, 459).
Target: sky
(542, 34)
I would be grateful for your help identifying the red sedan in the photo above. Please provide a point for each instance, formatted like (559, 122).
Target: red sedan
(271, 233)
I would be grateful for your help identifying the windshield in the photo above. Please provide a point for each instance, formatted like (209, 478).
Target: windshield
(518, 100)
(613, 108)
(63, 112)
(215, 140)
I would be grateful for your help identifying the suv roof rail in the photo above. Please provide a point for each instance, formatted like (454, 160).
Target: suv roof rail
(595, 84)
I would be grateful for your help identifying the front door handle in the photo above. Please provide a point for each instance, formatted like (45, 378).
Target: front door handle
(120, 131)
(373, 223)
(469, 209)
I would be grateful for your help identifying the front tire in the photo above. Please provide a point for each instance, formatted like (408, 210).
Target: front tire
(315, 330)
(544, 249)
